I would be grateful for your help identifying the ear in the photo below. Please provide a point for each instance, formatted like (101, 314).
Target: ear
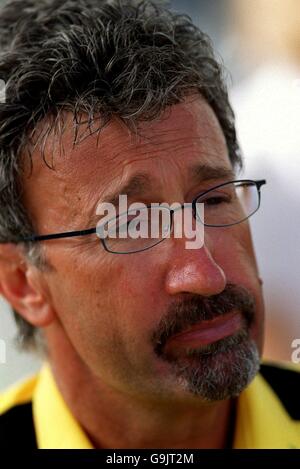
(23, 286)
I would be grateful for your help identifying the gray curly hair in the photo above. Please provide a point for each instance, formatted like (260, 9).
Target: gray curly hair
(118, 58)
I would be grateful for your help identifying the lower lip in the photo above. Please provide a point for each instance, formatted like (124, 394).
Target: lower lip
(206, 332)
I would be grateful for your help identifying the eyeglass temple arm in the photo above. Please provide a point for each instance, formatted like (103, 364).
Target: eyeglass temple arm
(67, 234)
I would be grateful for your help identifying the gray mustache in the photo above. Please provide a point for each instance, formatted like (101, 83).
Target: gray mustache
(196, 308)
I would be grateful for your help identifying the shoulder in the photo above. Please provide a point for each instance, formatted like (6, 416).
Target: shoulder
(284, 379)
(16, 420)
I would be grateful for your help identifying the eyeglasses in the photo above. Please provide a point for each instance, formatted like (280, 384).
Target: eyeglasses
(224, 205)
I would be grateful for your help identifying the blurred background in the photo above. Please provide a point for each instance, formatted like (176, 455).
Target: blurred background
(259, 42)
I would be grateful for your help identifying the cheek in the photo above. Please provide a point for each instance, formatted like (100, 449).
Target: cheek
(233, 250)
(138, 290)
(116, 294)
(114, 316)
(235, 253)
(82, 295)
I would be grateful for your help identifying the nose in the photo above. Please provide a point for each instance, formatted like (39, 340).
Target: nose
(194, 271)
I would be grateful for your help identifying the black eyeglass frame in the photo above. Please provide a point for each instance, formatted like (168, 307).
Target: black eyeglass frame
(71, 234)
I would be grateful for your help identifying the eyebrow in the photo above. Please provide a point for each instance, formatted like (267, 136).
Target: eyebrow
(203, 172)
(137, 185)
(141, 183)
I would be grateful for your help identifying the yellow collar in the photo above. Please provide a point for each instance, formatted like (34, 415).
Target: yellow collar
(55, 426)
(261, 421)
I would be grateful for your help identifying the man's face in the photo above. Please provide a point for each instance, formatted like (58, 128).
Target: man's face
(120, 311)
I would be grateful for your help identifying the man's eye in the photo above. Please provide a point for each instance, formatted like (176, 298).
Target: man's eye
(216, 200)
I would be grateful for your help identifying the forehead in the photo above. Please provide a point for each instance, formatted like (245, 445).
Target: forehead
(186, 133)
(190, 124)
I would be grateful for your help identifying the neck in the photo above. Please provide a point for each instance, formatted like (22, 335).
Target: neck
(114, 419)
